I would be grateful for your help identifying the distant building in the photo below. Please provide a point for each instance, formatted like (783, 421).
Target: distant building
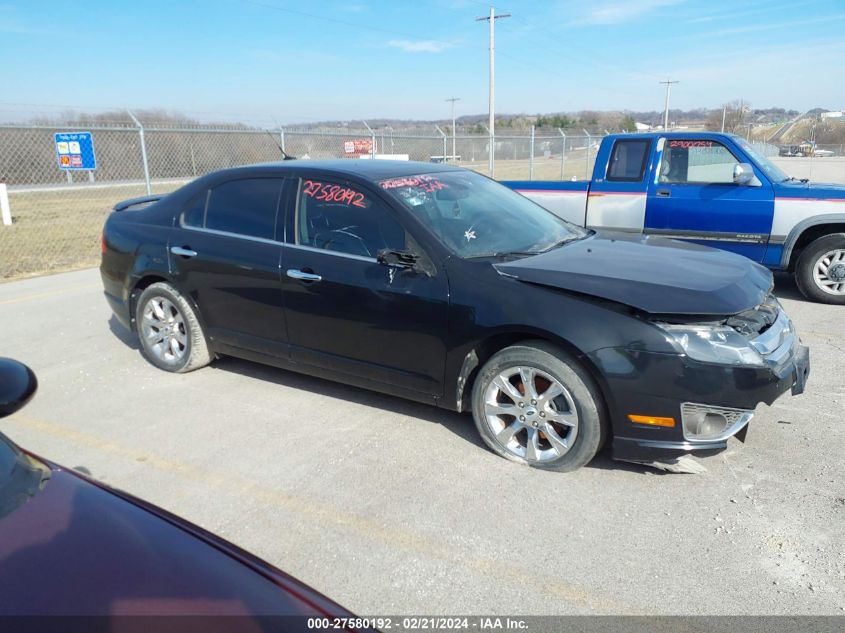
(835, 114)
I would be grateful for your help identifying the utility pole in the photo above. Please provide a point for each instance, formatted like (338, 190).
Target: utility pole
(452, 100)
(492, 19)
(724, 112)
(666, 112)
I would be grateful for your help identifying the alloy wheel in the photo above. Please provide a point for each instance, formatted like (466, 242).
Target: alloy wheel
(163, 329)
(829, 272)
(531, 414)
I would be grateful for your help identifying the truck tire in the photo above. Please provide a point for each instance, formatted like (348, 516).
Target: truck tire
(820, 272)
(534, 404)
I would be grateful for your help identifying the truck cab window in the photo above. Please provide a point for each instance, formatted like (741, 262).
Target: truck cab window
(628, 160)
(697, 161)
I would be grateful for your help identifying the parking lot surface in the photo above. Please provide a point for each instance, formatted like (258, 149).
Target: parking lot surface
(391, 507)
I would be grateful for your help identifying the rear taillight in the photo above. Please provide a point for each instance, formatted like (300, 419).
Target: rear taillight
(103, 243)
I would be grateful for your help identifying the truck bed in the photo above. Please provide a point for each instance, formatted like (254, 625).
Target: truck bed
(566, 199)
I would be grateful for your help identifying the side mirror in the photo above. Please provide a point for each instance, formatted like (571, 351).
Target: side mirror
(397, 259)
(17, 386)
(744, 174)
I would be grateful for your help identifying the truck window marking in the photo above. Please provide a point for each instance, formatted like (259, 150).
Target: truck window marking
(687, 144)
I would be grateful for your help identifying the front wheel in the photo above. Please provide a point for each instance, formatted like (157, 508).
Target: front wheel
(535, 404)
(820, 273)
(171, 335)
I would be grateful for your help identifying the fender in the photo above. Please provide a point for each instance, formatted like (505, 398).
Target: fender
(803, 225)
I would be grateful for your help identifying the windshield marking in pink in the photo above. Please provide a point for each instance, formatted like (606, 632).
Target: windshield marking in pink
(333, 193)
(426, 183)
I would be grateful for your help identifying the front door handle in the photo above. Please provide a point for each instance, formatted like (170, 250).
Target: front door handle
(184, 252)
(302, 275)
(664, 193)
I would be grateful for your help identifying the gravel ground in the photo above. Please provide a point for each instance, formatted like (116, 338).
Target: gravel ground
(391, 507)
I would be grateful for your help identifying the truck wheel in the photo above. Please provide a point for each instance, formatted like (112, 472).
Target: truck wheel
(820, 273)
(534, 404)
(171, 335)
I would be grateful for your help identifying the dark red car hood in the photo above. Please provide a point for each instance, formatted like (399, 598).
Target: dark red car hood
(78, 548)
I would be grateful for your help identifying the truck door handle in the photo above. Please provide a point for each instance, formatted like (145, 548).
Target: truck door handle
(303, 275)
(183, 251)
(664, 193)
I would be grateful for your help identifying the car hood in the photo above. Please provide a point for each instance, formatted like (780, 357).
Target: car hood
(820, 190)
(652, 274)
(78, 548)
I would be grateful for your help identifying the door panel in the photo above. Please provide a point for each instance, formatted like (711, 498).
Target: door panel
(234, 282)
(224, 255)
(361, 319)
(346, 312)
(694, 198)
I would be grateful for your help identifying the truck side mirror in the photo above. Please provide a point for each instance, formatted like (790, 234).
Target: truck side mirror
(17, 386)
(744, 174)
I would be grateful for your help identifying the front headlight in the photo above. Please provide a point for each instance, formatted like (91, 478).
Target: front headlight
(713, 344)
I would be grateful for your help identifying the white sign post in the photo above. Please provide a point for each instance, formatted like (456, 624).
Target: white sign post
(4, 205)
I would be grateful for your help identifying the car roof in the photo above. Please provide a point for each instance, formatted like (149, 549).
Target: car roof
(368, 169)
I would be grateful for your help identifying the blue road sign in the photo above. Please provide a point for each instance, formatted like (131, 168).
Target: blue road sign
(75, 150)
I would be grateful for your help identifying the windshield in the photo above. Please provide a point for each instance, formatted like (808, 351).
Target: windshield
(21, 477)
(775, 173)
(478, 217)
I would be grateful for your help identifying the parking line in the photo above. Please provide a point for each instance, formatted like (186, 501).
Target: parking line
(394, 536)
(51, 293)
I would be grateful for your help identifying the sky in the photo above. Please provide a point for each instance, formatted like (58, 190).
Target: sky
(283, 62)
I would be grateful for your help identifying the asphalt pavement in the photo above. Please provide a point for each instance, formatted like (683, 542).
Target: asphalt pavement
(392, 507)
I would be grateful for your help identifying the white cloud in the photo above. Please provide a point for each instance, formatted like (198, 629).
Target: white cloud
(615, 12)
(420, 46)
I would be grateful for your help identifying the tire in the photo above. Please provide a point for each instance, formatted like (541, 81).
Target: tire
(558, 431)
(820, 273)
(171, 336)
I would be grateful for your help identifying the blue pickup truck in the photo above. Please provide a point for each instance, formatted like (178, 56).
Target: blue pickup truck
(714, 189)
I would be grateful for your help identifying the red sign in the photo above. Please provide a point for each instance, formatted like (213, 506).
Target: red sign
(358, 147)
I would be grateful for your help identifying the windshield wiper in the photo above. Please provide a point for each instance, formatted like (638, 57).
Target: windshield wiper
(503, 254)
(561, 242)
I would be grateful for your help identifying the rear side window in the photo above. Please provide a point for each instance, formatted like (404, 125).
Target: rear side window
(628, 160)
(246, 207)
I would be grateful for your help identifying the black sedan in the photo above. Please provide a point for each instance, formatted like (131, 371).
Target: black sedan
(437, 284)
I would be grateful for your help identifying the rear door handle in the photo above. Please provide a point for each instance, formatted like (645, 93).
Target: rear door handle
(293, 273)
(184, 252)
(664, 193)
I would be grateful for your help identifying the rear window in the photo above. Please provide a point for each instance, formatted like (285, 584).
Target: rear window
(628, 160)
(246, 207)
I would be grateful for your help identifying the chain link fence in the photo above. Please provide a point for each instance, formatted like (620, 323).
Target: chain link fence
(52, 219)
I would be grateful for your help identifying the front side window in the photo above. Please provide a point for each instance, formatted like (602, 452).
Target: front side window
(699, 161)
(478, 217)
(345, 219)
(628, 160)
(246, 207)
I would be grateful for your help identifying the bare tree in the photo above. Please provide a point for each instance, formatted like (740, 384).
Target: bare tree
(736, 117)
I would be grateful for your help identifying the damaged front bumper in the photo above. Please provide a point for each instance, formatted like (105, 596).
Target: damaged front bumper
(708, 403)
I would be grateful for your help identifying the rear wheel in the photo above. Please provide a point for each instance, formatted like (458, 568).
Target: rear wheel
(534, 404)
(171, 335)
(820, 273)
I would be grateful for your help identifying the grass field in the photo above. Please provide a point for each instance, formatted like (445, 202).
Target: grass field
(59, 229)
(56, 230)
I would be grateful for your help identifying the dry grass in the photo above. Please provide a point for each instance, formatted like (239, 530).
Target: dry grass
(56, 230)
